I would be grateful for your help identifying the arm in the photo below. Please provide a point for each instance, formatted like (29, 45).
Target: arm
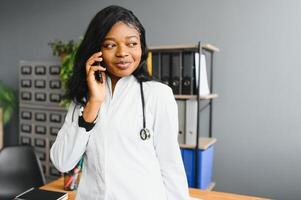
(72, 139)
(70, 143)
(167, 147)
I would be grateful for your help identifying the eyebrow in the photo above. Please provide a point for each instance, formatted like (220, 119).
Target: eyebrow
(128, 37)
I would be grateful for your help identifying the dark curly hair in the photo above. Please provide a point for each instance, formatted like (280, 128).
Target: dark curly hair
(77, 88)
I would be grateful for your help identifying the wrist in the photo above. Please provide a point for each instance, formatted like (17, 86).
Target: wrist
(90, 111)
(84, 124)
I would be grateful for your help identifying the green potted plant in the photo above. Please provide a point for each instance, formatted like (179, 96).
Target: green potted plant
(8, 103)
(61, 49)
(66, 51)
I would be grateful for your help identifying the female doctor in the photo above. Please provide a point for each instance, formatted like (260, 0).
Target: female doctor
(124, 124)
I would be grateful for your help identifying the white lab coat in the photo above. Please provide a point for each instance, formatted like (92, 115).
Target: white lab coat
(118, 164)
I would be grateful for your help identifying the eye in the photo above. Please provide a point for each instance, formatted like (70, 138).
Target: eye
(132, 44)
(109, 45)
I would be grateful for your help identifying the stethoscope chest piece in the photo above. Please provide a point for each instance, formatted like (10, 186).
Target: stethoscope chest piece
(145, 134)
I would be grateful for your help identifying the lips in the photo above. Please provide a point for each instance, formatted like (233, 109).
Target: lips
(123, 64)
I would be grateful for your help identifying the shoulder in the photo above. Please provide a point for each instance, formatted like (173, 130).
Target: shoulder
(73, 110)
(157, 89)
(155, 86)
(157, 92)
(73, 106)
(160, 99)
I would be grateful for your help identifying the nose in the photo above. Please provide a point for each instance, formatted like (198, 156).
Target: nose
(122, 51)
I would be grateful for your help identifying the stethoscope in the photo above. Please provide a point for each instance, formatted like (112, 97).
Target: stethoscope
(144, 133)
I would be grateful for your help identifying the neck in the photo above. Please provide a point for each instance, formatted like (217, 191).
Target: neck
(114, 80)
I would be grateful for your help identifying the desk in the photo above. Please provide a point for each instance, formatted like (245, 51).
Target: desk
(57, 185)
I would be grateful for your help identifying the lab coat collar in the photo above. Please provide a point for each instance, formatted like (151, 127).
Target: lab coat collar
(121, 84)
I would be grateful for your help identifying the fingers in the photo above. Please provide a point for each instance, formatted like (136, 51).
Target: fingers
(93, 69)
(96, 75)
(95, 57)
(96, 68)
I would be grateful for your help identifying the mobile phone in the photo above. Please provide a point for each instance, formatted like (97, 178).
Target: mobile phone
(98, 74)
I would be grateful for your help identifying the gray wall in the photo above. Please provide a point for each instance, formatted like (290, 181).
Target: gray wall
(256, 118)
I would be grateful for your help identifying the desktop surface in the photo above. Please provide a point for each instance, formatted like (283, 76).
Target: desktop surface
(57, 185)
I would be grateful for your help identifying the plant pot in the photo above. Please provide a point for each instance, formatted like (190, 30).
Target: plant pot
(62, 56)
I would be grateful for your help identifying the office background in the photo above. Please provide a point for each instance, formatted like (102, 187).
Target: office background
(257, 74)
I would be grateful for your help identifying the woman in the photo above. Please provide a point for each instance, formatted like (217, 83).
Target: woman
(123, 124)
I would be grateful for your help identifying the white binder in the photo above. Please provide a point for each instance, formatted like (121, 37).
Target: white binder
(204, 88)
(181, 117)
(191, 122)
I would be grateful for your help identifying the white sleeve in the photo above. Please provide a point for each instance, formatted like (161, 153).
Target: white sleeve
(167, 147)
(70, 143)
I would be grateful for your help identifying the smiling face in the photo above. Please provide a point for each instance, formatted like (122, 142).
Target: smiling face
(121, 50)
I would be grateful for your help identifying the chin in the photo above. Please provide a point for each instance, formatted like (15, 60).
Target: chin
(122, 73)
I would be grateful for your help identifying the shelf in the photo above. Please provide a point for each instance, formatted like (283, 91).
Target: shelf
(184, 97)
(195, 47)
(204, 143)
(173, 47)
(209, 96)
(203, 97)
(210, 47)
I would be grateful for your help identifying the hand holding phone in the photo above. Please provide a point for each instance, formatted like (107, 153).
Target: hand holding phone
(97, 74)
(96, 77)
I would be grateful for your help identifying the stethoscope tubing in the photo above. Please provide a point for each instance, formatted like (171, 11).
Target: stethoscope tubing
(144, 133)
